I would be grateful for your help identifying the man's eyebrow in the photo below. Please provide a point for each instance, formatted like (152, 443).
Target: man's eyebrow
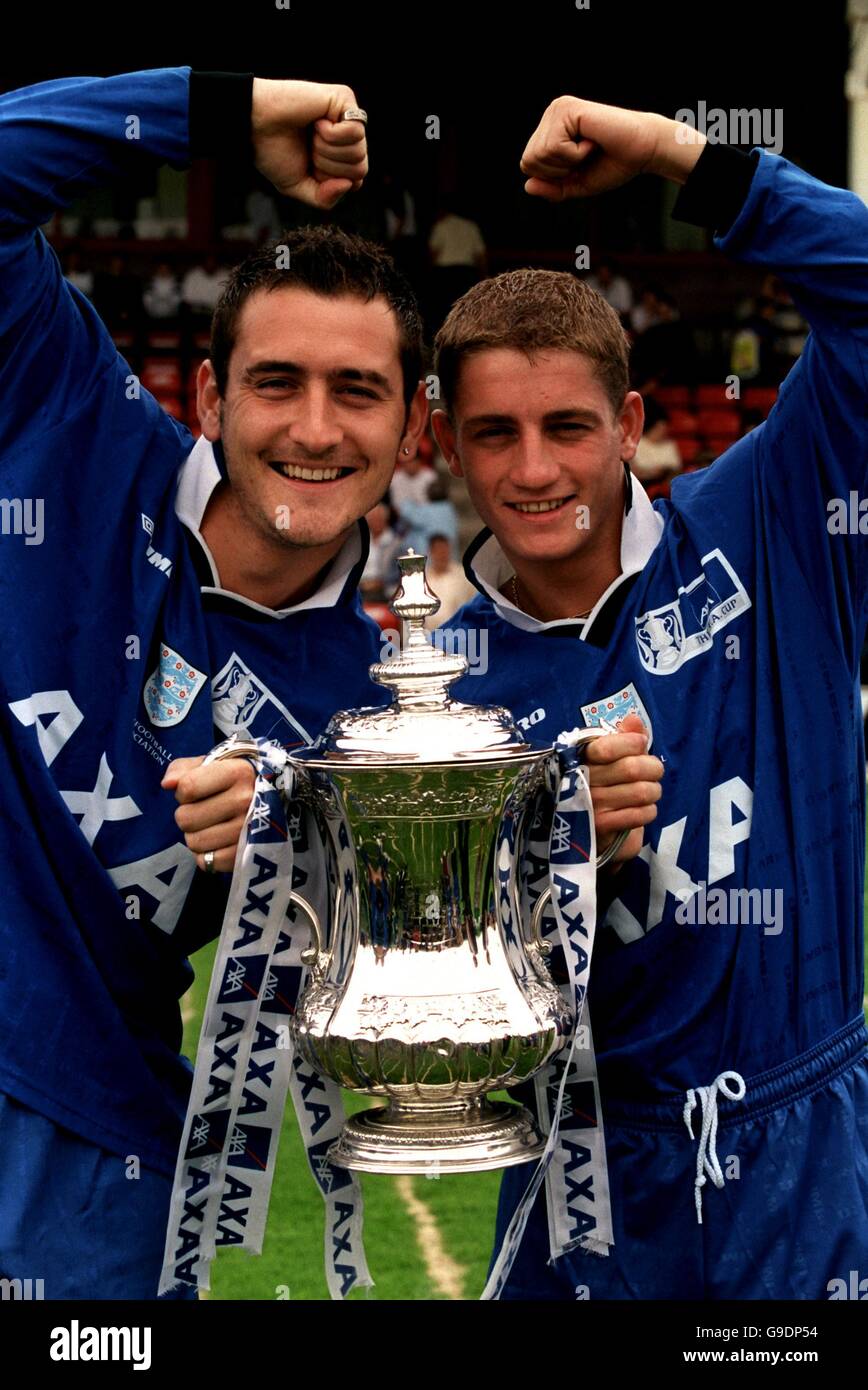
(551, 417)
(274, 367)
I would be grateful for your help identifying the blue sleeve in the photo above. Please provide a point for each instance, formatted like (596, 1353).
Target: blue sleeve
(811, 456)
(57, 140)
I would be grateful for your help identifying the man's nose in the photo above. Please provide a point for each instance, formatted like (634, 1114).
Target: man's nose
(532, 465)
(313, 426)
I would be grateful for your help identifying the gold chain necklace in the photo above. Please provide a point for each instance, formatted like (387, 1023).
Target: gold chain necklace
(513, 586)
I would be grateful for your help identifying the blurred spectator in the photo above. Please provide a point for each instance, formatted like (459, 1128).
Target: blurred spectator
(410, 482)
(753, 356)
(162, 296)
(380, 575)
(435, 516)
(262, 215)
(614, 288)
(665, 352)
(201, 286)
(117, 295)
(646, 313)
(447, 579)
(657, 457)
(402, 231)
(458, 258)
(76, 274)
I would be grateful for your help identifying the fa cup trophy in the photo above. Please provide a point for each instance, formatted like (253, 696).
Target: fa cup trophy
(429, 989)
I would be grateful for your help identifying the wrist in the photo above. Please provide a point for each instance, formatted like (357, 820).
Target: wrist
(261, 105)
(678, 147)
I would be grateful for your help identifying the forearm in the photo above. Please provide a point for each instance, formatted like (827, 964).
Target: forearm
(677, 150)
(58, 139)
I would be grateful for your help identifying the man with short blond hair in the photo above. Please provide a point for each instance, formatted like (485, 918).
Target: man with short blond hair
(731, 1055)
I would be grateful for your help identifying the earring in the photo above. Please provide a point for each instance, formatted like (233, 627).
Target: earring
(406, 451)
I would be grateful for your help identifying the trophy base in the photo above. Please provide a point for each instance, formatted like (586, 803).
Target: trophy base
(450, 1137)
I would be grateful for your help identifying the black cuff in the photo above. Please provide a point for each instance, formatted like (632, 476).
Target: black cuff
(220, 115)
(716, 187)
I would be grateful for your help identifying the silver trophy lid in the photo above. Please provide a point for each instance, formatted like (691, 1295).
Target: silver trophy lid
(422, 724)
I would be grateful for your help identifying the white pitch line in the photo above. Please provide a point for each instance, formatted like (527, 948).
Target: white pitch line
(446, 1274)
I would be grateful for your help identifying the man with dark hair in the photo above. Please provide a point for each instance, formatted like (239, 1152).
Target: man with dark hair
(728, 1027)
(178, 588)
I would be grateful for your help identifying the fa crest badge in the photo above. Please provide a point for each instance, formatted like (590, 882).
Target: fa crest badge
(613, 709)
(171, 689)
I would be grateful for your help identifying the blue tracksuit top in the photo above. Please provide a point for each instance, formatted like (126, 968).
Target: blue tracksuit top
(119, 651)
(736, 628)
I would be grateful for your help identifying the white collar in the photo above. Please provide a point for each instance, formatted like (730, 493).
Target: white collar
(198, 476)
(641, 529)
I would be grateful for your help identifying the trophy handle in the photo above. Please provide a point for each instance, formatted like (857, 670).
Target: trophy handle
(315, 956)
(534, 935)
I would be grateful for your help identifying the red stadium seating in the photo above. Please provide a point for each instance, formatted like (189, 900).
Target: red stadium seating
(724, 423)
(718, 444)
(670, 396)
(688, 448)
(682, 422)
(171, 404)
(164, 340)
(760, 398)
(162, 374)
(712, 395)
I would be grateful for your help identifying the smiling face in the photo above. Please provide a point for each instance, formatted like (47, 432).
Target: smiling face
(314, 417)
(537, 442)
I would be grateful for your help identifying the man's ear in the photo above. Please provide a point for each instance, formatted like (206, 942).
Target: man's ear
(208, 402)
(444, 433)
(631, 423)
(417, 419)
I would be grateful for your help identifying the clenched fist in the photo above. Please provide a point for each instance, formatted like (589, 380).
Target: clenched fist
(213, 805)
(581, 148)
(625, 786)
(300, 143)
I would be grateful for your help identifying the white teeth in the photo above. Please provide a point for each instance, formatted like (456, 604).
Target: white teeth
(538, 506)
(310, 475)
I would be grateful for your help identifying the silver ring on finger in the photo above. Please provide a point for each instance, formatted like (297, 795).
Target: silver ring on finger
(355, 113)
(209, 862)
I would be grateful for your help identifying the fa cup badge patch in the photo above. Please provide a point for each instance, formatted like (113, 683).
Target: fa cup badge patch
(611, 710)
(171, 689)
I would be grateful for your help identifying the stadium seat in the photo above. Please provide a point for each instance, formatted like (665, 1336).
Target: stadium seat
(760, 398)
(688, 447)
(171, 404)
(670, 396)
(164, 340)
(718, 444)
(682, 422)
(162, 374)
(724, 423)
(712, 395)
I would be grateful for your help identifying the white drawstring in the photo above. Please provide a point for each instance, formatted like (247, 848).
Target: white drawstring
(706, 1157)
